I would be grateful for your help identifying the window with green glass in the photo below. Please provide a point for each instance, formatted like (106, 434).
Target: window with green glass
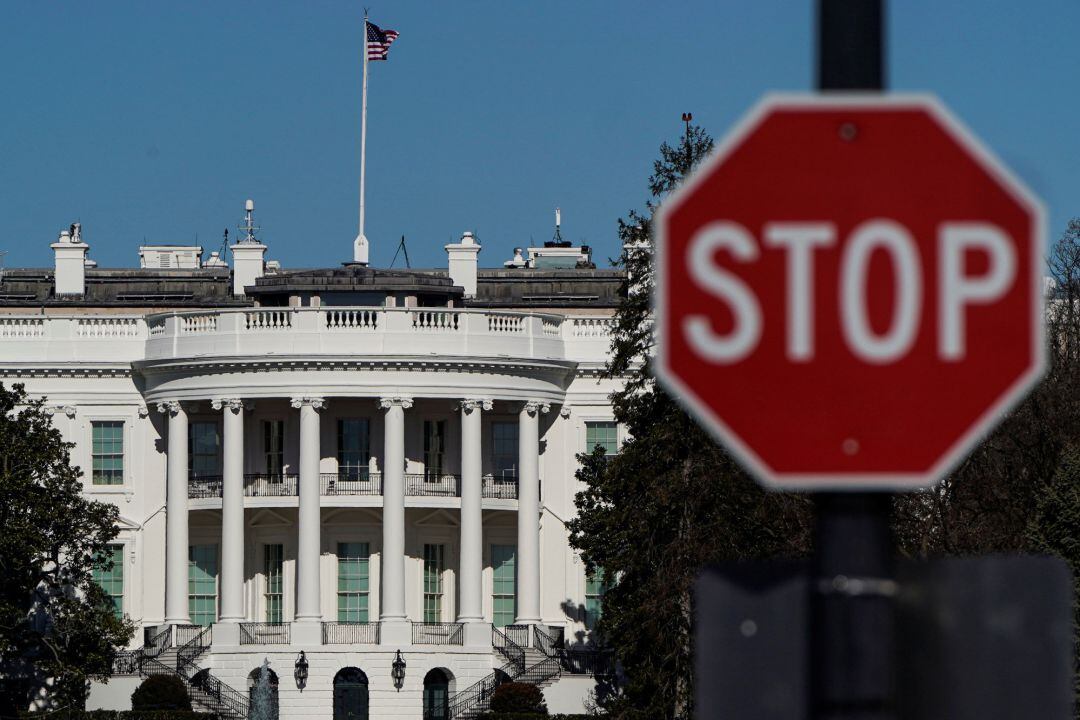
(107, 452)
(204, 449)
(274, 596)
(111, 578)
(596, 584)
(433, 582)
(503, 602)
(604, 434)
(434, 449)
(354, 448)
(504, 449)
(202, 584)
(352, 594)
(274, 447)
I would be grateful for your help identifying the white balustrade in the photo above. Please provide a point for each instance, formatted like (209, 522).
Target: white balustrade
(206, 322)
(268, 319)
(18, 327)
(505, 323)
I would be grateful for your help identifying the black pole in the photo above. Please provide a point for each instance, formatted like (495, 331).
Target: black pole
(852, 660)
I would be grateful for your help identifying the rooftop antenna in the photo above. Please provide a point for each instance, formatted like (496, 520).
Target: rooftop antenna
(558, 222)
(224, 244)
(402, 249)
(686, 118)
(249, 228)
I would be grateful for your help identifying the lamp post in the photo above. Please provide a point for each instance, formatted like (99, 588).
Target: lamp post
(397, 671)
(300, 671)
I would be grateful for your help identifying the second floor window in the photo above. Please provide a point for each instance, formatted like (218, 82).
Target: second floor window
(274, 446)
(503, 585)
(434, 449)
(596, 585)
(204, 449)
(433, 584)
(504, 449)
(352, 596)
(274, 561)
(107, 452)
(354, 448)
(605, 434)
(202, 584)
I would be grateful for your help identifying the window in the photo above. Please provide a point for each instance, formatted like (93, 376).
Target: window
(604, 434)
(504, 449)
(596, 584)
(204, 449)
(502, 594)
(274, 559)
(274, 447)
(436, 695)
(111, 579)
(352, 583)
(202, 584)
(434, 449)
(433, 584)
(108, 452)
(354, 448)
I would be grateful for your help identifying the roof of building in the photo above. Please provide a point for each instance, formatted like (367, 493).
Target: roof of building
(123, 287)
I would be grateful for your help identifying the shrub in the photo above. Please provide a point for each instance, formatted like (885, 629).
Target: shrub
(518, 698)
(533, 716)
(161, 692)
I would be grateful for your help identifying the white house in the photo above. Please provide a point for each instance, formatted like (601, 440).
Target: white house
(336, 468)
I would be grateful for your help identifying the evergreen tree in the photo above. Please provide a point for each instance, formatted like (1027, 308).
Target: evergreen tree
(57, 627)
(672, 500)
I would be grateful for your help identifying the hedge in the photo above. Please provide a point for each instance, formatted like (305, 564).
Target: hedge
(121, 715)
(532, 716)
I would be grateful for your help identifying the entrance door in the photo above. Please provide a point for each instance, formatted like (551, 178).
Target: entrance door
(350, 694)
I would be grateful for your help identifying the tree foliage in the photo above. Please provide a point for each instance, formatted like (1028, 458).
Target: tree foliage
(57, 627)
(672, 500)
(161, 692)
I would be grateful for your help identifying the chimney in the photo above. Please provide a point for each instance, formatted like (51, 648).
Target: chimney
(70, 253)
(247, 253)
(462, 263)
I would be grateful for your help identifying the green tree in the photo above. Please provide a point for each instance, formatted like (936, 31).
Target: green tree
(57, 627)
(672, 500)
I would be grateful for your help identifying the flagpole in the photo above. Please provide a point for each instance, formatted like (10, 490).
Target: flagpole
(360, 246)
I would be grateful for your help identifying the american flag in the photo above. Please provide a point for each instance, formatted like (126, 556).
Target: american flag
(378, 41)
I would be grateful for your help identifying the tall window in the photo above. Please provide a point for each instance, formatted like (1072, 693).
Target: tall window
(433, 583)
(274, 446)
(502, 595)
(202, 584)
(434, 449)
(504, 449)
(111, 580)
(596, 584)
(107, 452)
(204, 449)
(352, 583)
(604, 434)
(354, 448)
(274, 560)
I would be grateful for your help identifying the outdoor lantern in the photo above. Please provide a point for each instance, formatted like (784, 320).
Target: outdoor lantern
(301, 671)
(398, 671)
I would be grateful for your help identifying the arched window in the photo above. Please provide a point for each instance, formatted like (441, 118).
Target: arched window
(436, 695)
(255, 697)
(350, 694)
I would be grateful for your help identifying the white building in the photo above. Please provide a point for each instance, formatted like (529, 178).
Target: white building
(346, 464)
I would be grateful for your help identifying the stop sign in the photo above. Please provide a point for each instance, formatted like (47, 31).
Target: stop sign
(849, 292)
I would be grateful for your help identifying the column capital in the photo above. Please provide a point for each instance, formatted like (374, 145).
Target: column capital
(388, 402)
(535, 406)
(234, 404)
(68, 410)
(316, 402)
(564, 411)
(470, 404)
(169, 407)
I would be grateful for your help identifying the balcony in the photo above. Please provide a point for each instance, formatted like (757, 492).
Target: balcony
(494, 487)
(436, 633)
(350, 633)
(265, 633)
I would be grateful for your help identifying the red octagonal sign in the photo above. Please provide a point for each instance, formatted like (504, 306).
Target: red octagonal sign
(849, 292)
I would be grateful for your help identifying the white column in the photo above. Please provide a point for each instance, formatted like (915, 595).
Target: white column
(232, 509)
(308, 548)
(528, 545)
(392, 561)
(176, 516)
(471, 561)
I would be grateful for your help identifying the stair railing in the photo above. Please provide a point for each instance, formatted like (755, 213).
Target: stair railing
(205, 688)
(476, 696)
(509, 649)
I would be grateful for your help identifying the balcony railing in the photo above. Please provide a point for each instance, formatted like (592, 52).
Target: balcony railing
(350, 633)
(204, 486)
(264, 633)
(503, 486)
(432, 485)
(270, 485)
(436, 633)
(351, 483)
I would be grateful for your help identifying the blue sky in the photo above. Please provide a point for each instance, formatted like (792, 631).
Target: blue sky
(156, 120)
